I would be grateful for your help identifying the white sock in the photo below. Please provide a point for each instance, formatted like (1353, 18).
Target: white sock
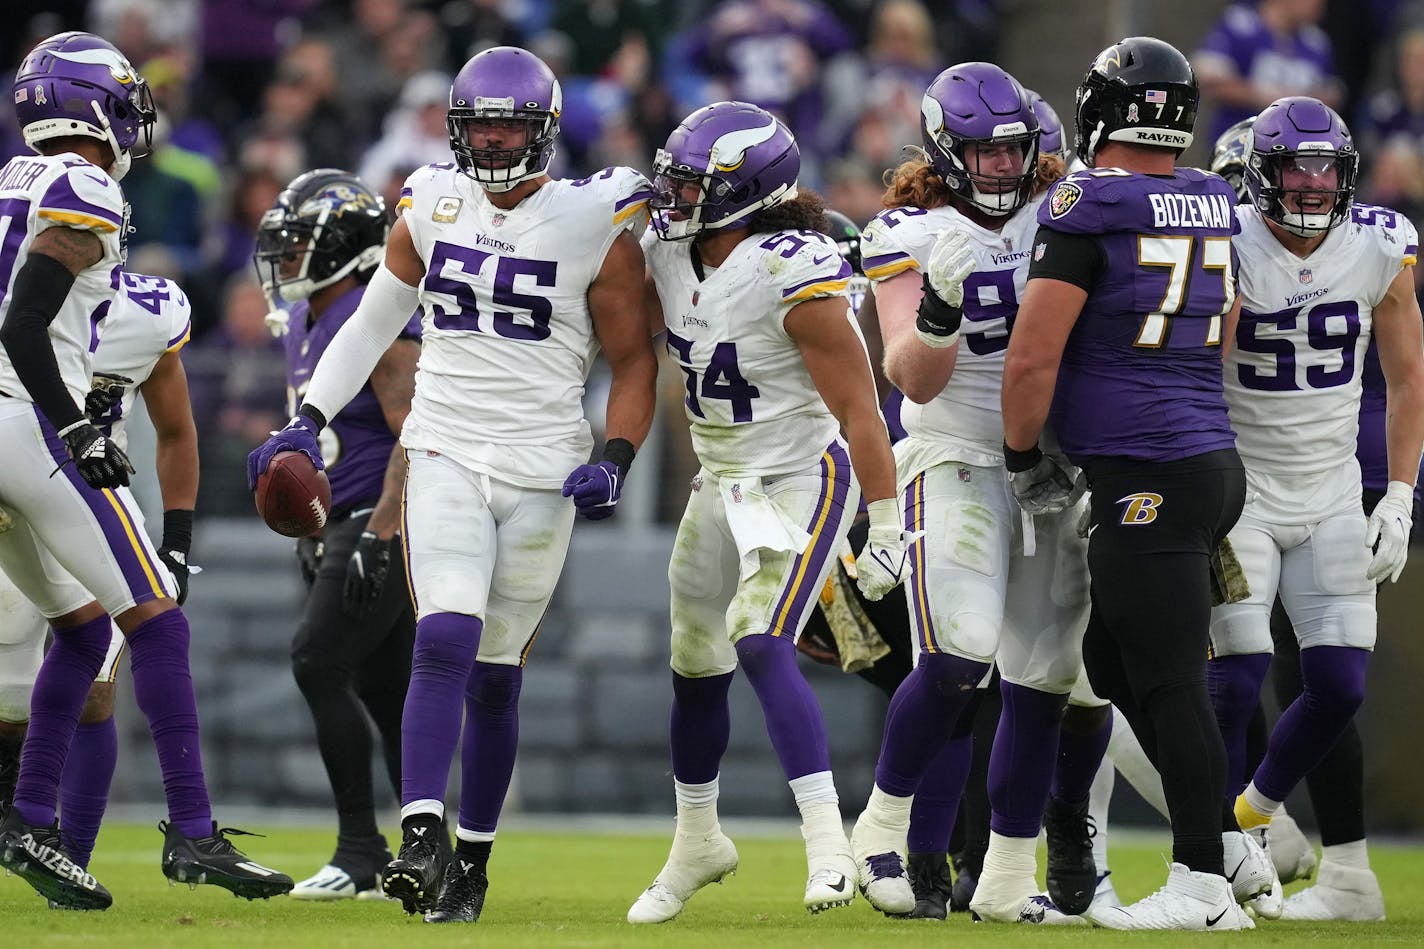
(474, 836)
(1016, 855)
(816, 788)
(1354, 855)
(423, 806)
(889, 808)
(1126, 754)
(696, 807)
(1099, 796)
(1259, 802)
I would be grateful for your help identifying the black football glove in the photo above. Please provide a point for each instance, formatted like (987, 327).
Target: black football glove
(309, 551)
(107, 392)
(366, 574)
(173, 550)
(101, 463)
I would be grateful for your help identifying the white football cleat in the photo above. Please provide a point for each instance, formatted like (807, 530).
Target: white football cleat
(1342, 893)
(329, 883)
(693, 863)
(1007, 893)
(831, 886)
(1267, 904)
(1249, 869)
(1190, 902)
(830, 868)
(1105, 895)
(879, 851)
(1290, 849)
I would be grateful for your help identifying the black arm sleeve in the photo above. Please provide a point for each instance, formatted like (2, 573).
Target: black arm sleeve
(40, 289)
(1073, 258)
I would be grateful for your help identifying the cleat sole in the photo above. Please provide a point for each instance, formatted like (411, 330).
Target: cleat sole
(408, 890)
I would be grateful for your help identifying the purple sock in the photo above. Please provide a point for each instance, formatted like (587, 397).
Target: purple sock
(701, 726)
(163, 688)
(1235, 686)
(793, 716)
(1023, 759)
(1079, 757)
(445, 648)
(57, 699)
(937, 801)
(491, 740)
(1334, 680)
(84, 789)
(922, 717)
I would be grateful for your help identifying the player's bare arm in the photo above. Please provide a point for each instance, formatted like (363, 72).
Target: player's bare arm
(165, 395)
(869, 321)
(393, 382)
(919, 371)
(76, 250)
(1399, 328)
(616, 301)
(1228, 326)
(838, 366)
(1046, 317)
(402, 259)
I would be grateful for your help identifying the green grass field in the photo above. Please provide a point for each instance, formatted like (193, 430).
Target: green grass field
(563, 890)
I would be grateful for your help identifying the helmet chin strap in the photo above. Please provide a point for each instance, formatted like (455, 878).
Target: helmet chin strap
(122, 159)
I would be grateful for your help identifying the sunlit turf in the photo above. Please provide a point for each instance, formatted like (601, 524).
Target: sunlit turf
(561, 889)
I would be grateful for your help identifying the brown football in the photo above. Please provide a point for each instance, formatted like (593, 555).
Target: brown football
(292, 496)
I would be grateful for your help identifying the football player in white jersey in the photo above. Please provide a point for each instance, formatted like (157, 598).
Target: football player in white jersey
(752, 297)
(949, 259)
(84, 110)
(1320, 276)
(522, 278)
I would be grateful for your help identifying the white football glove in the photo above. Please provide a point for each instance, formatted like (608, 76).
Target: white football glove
(1046, 488)
(1388, 535)
(884, 562)
(951, 262)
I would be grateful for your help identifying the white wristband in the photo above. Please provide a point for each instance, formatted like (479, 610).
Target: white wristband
(1400, 491)
(885, 516)
(938, 342)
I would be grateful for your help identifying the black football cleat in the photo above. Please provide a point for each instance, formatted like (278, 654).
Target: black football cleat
(933, 886)
(34, 854)
(215, 861)
(966, 881)
(413, 877)
(1072, 875)
(10, 746)
(462, 894)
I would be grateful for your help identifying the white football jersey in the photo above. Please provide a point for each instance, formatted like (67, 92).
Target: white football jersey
(507, 336)
(1293, 374)
(151, 316)
(965, 417)
(38, 192)
(753, 407)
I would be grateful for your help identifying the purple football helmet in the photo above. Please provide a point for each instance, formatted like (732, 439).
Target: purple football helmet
(723, 163)
(508, 87)
(1050, 128)
(1305, 139)
(79, 84)
(979, 103)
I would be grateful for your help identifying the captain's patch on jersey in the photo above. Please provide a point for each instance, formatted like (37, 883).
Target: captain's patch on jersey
(1065, 195)
(447, 209)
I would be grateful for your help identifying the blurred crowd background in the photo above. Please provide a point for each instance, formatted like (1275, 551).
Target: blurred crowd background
(252, 92)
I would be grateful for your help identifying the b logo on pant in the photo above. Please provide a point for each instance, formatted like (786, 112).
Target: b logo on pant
(1141, 508)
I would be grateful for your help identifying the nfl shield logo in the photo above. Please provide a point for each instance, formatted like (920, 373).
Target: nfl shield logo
(497, 220)
(1305, 275)
(696, 295)
(964, 475)
(1038, 251)
(737, 492)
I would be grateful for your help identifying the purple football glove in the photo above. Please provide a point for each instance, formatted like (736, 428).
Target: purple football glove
(299, 435)
(595, 489)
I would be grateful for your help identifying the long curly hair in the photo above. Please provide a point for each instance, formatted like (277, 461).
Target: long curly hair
(805, 212)
(914, 183)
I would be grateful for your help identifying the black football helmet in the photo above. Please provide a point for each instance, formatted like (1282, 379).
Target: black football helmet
(325, 225)
(1229, 155)
(843, 231)
(1141, 91)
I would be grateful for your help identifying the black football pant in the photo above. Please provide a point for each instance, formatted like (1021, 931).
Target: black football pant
(347, 668)
(1155, 527)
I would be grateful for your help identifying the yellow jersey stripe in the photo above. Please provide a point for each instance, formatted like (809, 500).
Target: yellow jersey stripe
(74, 217)
(403, 203)
(818, 289)
(134, 542)
(181, 341)
(804, 558)
(629, 211)
(891, 269)
(1409, 261)
(921, 593)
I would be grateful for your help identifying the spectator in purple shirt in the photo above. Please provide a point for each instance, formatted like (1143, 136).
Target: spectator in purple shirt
(1254, 56)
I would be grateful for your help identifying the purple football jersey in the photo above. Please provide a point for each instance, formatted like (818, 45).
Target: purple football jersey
(357, 444)
(1141, 371)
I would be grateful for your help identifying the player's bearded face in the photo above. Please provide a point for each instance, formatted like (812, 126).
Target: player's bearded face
(992, 167)
(1309, 184)
(681, 197)
(497, 135)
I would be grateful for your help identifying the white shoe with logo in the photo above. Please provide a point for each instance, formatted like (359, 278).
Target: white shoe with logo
(693, 863)
(1190, 901)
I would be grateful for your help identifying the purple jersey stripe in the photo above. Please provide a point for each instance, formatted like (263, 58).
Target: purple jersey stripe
(810, 565)
(61, 197)
(181, 337)
(842, 274)
(127, 543)
(879, 260)
(1411, 250)
(632, 199)
(919, 591)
